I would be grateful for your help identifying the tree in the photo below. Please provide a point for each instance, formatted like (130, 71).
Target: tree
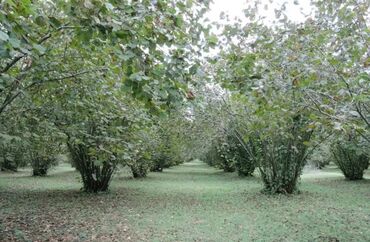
(44, 145)
(293, 78)
(13, 148)
(139, 154)
(350, 156)
(86, 58)
(161, 148)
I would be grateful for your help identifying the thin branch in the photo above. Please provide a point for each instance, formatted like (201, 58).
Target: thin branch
(341, 77)
(363, 135)
(64, 77)
(43, 39)
(318, 108)
(317, 145)
(12, 63)
(10, 98)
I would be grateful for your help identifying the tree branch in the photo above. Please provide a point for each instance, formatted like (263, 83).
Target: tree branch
(64, 77)
(43, 39)
(11, 63)
(10, 98)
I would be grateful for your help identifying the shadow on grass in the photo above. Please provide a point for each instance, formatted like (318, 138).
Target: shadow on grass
(343, 185)
(11, 174)
(71, 195)
(340, 179)
(28, 176)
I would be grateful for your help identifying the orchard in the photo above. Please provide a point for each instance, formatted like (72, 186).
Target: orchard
(147, 120)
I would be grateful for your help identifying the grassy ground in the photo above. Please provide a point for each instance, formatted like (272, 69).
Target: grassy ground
(191, 202)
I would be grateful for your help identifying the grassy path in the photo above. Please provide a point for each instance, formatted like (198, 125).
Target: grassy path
(191, 202)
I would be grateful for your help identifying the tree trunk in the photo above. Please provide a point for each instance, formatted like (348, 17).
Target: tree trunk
(95, 178)
(8, 165)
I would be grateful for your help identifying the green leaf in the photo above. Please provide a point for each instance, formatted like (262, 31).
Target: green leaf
(179, 21)
(16, 43)
(4, 53)
(40, 49)
(88, 4)
(84, 36)
(122, 34)
(3, 36)
(55, 22)
(212, 40)
(193, 69)
(40, 21)
(363, 76)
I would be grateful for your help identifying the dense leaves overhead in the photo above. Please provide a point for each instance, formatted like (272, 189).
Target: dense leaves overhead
(130, 82)
(93, 69)
(144, 47)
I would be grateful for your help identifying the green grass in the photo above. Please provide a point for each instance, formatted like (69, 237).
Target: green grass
(191, 202)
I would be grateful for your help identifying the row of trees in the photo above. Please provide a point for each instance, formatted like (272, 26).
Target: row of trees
(96, 80)
(280, 158)
(294, 87)
(127, 82)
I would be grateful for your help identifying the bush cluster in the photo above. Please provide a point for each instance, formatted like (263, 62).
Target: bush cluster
(282, 156)
(230, 154)
(350, 158)
(12, 153)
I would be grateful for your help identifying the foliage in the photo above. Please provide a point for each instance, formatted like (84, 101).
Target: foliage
(227, 159)
(12, 153)
(245, 164)
(282, 157)
(211, 157)
(160, 161)
(119, 82)
(44, 145)
(95, 148)
(278, 71)
(321, 156)
(325, 59)
(161, 154)
(41, 164)
(126, 40)
(138, 158)
(340, 43)
(230, 153)
(350, 158)
(140, 168)
(271, 122)
(13, 148)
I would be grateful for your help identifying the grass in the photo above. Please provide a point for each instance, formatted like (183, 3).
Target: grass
(191, 202)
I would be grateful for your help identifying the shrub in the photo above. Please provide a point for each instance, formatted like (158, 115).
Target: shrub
(138, 158)
(211, 157)
(220, 156)
(320, 157)
(161, 156)
(43, 149)
(282, 156)
(229, 154)
(244, 163)
(227, 158)
(12, 153)
(96, 173)
(41, 164)
(140, 168)
(160, 161)
(350, 159)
